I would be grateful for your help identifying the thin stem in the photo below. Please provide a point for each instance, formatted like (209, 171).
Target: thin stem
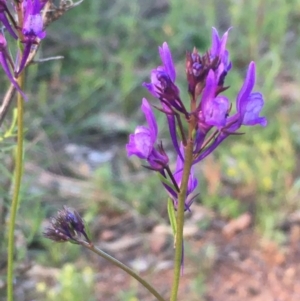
(183, 137)
(206, 142)
(123, 267)
(172, 178)
(180, 213)
(188, 161)
(17, 184)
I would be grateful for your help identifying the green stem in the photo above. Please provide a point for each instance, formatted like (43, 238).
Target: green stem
(180, 218)
(17, 184)
(123, 267)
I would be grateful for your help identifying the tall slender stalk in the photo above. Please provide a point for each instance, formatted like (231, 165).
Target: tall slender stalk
(124, 268)
(17, 184)
(180, 218)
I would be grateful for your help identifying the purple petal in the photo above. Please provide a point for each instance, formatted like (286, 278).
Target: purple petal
(215, 43)
(166, 57)
(151, 88)
(143, 144)
(140, 144)
(7, 25)
(222, 46)
(246, 88)
(209, 90)
(216, 111)
(150, 117)
(33, 22)
(253, 107)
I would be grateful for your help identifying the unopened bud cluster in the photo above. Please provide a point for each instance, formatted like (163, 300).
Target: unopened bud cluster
(67, 225)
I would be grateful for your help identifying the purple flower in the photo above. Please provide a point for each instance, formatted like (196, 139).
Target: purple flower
(248, 107)
(163, 78)
(32, 28)
(33, 22)
(213, 110)
(163, 86)
(142, 142)
(5, 61)
(164, 75)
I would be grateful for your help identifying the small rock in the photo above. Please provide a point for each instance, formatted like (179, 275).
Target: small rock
(141, 264)
(237, 225)
(107, 235)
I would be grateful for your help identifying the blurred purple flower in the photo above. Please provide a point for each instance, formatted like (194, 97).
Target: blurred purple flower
(142, 142)
(32, 28)
(5, 61)
(4, 20)
(33, 22)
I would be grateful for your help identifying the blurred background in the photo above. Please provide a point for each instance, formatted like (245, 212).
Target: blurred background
(243, 234)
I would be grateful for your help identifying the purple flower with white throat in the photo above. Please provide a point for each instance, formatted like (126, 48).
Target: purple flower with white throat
(142, 142)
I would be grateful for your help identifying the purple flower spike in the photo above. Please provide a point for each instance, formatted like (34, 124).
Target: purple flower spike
(5, 60)
(141, 143)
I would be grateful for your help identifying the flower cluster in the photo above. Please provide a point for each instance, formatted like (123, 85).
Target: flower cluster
(67, 225)
(27, 29)
(208, 113)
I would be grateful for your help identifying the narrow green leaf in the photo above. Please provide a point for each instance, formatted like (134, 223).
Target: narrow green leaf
(172, 216)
